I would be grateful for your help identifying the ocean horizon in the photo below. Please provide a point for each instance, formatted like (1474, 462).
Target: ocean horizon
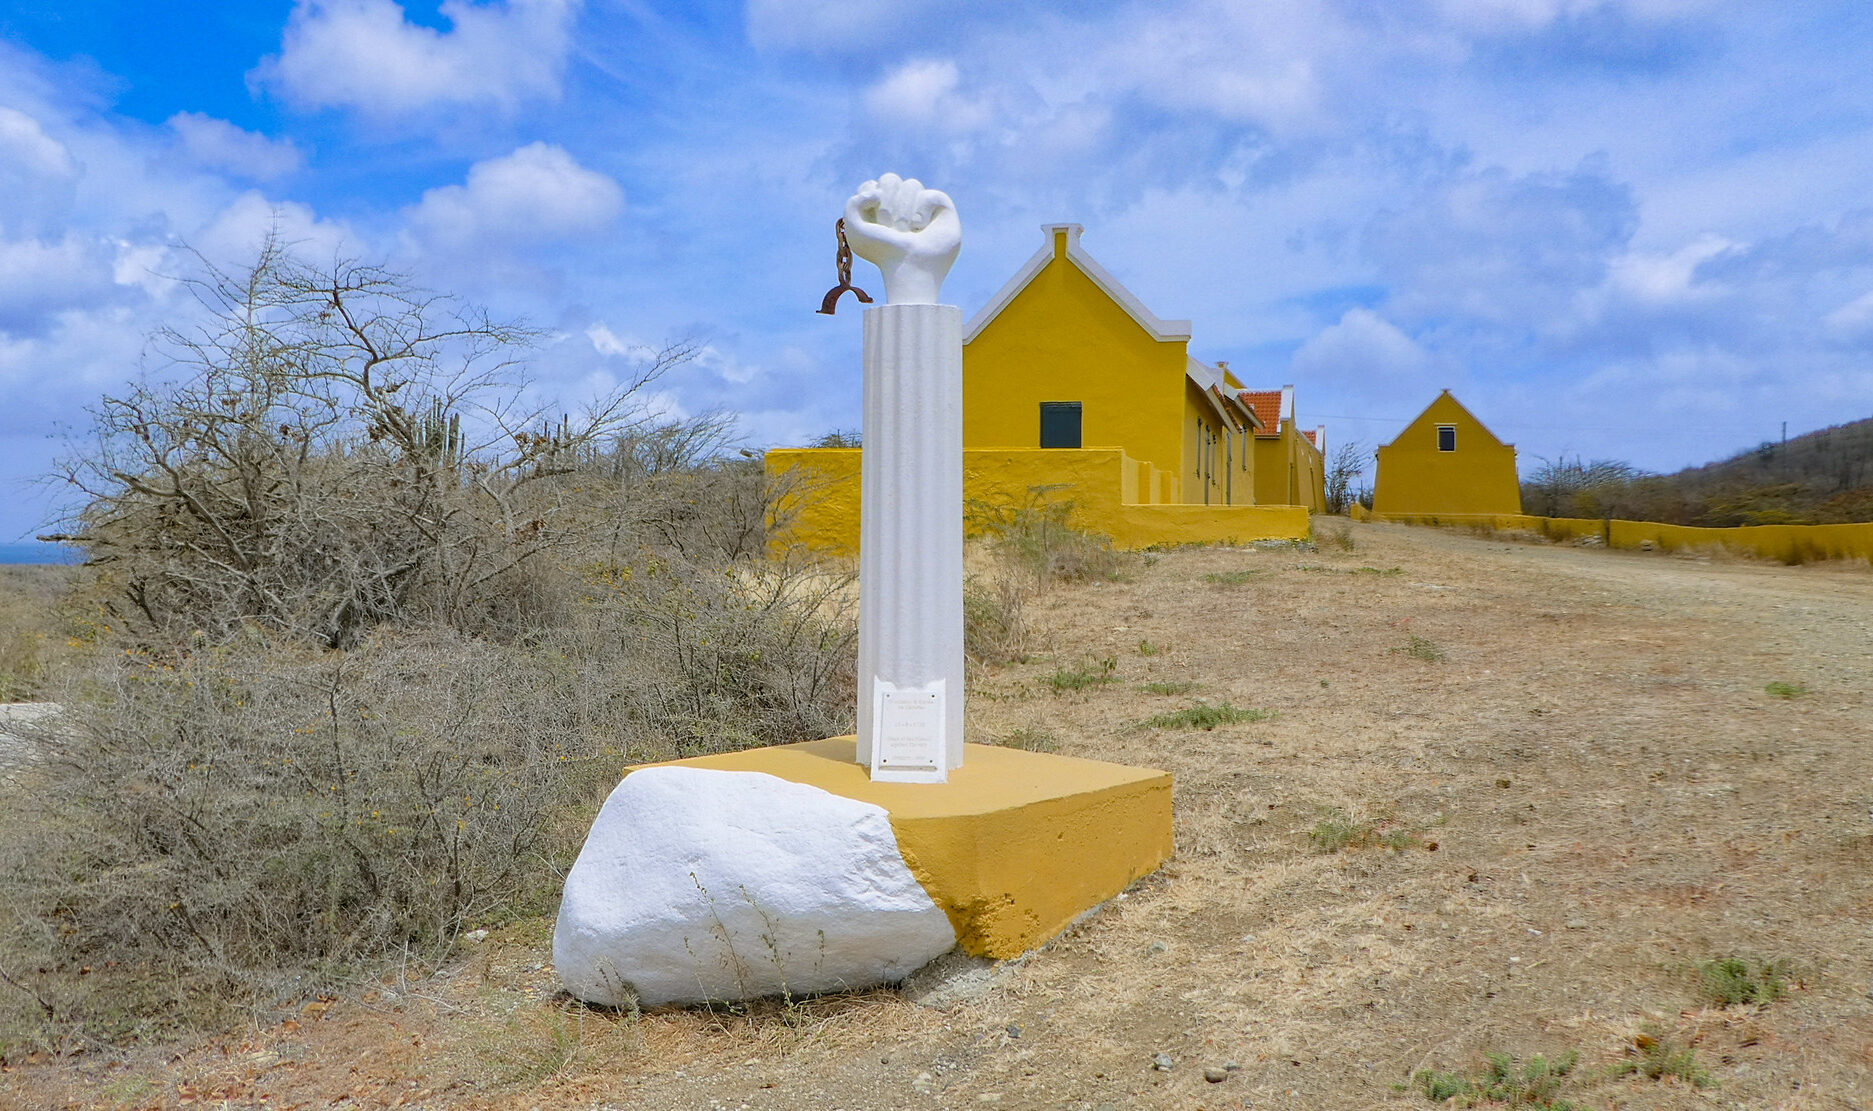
(33, 551)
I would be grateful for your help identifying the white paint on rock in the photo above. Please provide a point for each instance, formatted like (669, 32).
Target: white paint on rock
(698, 885)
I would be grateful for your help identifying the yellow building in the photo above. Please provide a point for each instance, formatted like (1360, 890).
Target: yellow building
(1444, 464)
(1072, 386)
(1064, 356)
(1290, 464)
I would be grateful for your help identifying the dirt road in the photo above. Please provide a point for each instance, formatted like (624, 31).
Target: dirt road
(1561, 781)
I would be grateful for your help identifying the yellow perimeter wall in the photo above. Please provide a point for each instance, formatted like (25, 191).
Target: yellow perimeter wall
(1127, 499)
(1785, 543)
(1416, 479)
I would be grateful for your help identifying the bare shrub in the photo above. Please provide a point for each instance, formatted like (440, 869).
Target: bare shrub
(246, 814)
(1348, 464)
(328, 451)
(1039, 538)
(994, 618)
(368, 645)
(1030, 546)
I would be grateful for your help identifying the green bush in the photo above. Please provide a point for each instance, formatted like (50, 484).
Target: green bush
(1729, 981)
(1205, 716)
(1656, 1056)
(1503, 1080)
(1092, 674)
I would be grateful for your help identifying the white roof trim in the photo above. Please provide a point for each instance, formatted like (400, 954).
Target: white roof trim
(1205, 379)
(1164, 331)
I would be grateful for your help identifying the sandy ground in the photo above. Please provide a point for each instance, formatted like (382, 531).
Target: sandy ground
(1592, 788)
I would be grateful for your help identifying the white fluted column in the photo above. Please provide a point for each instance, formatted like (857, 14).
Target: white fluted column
(910, 622)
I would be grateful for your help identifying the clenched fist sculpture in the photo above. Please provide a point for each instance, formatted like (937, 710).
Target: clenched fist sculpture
(910, 233)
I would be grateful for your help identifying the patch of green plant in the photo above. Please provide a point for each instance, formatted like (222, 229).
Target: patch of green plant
(1656, 1057)
(1779, 689)
(1089, 675)
(1376, 571)
(1031, 739)
(1168, 686)
(1146, 648)
(1419, 648)
(1229, 578)
(1338, 831)
(1330, 835)
(1206, 717)
(1503, 1080)
(1729, 981)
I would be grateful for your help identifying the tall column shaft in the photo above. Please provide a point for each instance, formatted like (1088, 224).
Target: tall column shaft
(910, 554)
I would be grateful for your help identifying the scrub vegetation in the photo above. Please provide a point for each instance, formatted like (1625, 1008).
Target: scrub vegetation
(1615, 801)
(1822, 477)
(361, 644)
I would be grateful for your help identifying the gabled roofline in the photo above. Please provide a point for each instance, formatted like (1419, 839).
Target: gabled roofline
(1209, 380)
(1461, 407)
(1209, 395)
(1164, 331)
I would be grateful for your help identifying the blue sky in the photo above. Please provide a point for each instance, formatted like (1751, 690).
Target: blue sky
(1635, 229)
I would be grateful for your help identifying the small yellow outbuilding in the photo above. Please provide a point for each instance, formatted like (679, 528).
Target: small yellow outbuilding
(1446, 464)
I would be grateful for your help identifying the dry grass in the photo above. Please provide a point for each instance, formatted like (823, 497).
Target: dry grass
(32, 637)
(1612, 796)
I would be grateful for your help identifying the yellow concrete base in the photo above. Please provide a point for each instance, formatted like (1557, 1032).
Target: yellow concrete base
(1014, 846)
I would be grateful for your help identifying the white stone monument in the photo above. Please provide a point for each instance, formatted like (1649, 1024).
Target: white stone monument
(910, 624)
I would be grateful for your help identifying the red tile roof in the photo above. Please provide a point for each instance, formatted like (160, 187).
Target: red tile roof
(1309, 433)
(1267, 406)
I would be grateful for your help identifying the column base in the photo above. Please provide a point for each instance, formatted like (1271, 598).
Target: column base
(1015, 846)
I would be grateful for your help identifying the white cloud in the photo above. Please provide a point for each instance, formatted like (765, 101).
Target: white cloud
(219, 145)
(38, 175)
(841, 26)
(1662, 279)
(40, 279)
(1853, 319)
(1362, 346)
(233, 236)
(28, 150)
(538, 193)
(1528, 15)
(606, 342)
(922, 94)
(365, 55)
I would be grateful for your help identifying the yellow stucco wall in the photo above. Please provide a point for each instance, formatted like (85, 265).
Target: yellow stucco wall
(1289, 470)
(1063, 339)
(1215, 469)
(818, 502)
(1416, 479)
(1784, 543)
(1016, 844)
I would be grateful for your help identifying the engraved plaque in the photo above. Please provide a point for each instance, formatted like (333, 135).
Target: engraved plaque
(909, 746)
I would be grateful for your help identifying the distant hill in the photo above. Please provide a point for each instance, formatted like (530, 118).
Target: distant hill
(1822, 477)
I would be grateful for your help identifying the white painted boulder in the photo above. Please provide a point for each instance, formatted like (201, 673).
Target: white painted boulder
(702, 886)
